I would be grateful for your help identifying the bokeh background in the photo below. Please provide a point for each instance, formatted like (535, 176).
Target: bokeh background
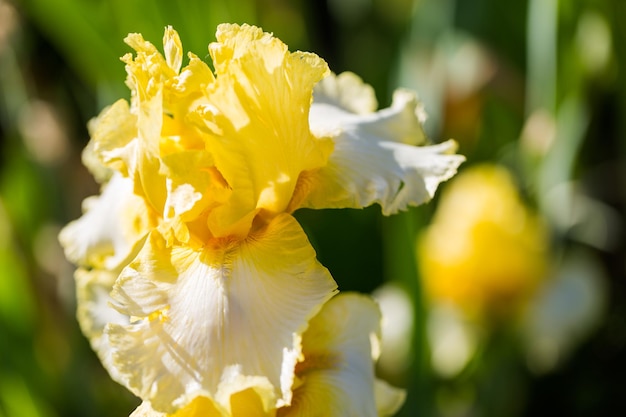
(504, 296)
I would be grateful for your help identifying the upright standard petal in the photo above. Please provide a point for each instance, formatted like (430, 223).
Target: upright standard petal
(201, 318)
(375, 159)
(336, 377)
(258, 119)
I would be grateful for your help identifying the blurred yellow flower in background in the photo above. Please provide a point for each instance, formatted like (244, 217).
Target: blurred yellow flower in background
(485, 251)
(195, 280)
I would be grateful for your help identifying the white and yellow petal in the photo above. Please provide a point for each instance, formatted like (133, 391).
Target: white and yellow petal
(336, 377)
(204, 317)
(252, 397)
(199, 407)
(112, 226)
(244, 397)
(375, 159)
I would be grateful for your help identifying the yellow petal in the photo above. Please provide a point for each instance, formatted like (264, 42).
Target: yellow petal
(120, 144)
(258, 117)
(173, 49)
(194, 77)
(375, 160)
(113, 129)
(112, 226)
(193, 186)
(229, 309)
(148, 77)
(183, 96)
(336, 377)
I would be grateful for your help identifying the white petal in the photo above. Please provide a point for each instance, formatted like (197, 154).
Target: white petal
(346, 91)
(94, 311)
(374, 160)
(110, 229)
(335, 107)
(204, 318)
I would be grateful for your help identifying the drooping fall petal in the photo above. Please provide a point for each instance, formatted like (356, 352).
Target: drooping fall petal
(231, 308)
(336, 377)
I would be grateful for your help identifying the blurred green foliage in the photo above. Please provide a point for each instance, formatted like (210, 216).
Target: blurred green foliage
(538, 86)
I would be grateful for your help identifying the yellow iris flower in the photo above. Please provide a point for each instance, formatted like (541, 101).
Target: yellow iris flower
(194, 279)
(485, 251)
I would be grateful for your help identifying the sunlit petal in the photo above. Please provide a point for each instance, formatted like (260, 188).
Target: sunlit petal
(253, 398)
(94, 311)
(258, 119)
(347, 94)
(115, 128)
(204, 317)
(374, 160)
(173, 49)
(336, 377)
(110, 229)
(193, 186)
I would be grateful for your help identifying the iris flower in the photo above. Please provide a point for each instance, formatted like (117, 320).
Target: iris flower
(194, 278)
(490, 261)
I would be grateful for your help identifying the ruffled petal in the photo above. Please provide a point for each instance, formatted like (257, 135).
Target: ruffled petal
(258, 119)
(113, 129)
(112, 226)
(336, 377)
(346, 93)
(199, 407)
(203, 318)
(193, 186)
(94, 312)
(253, 398)
(173, 49)
(374, 160)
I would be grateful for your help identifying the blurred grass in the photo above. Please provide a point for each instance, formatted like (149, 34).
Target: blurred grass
(483, 69)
